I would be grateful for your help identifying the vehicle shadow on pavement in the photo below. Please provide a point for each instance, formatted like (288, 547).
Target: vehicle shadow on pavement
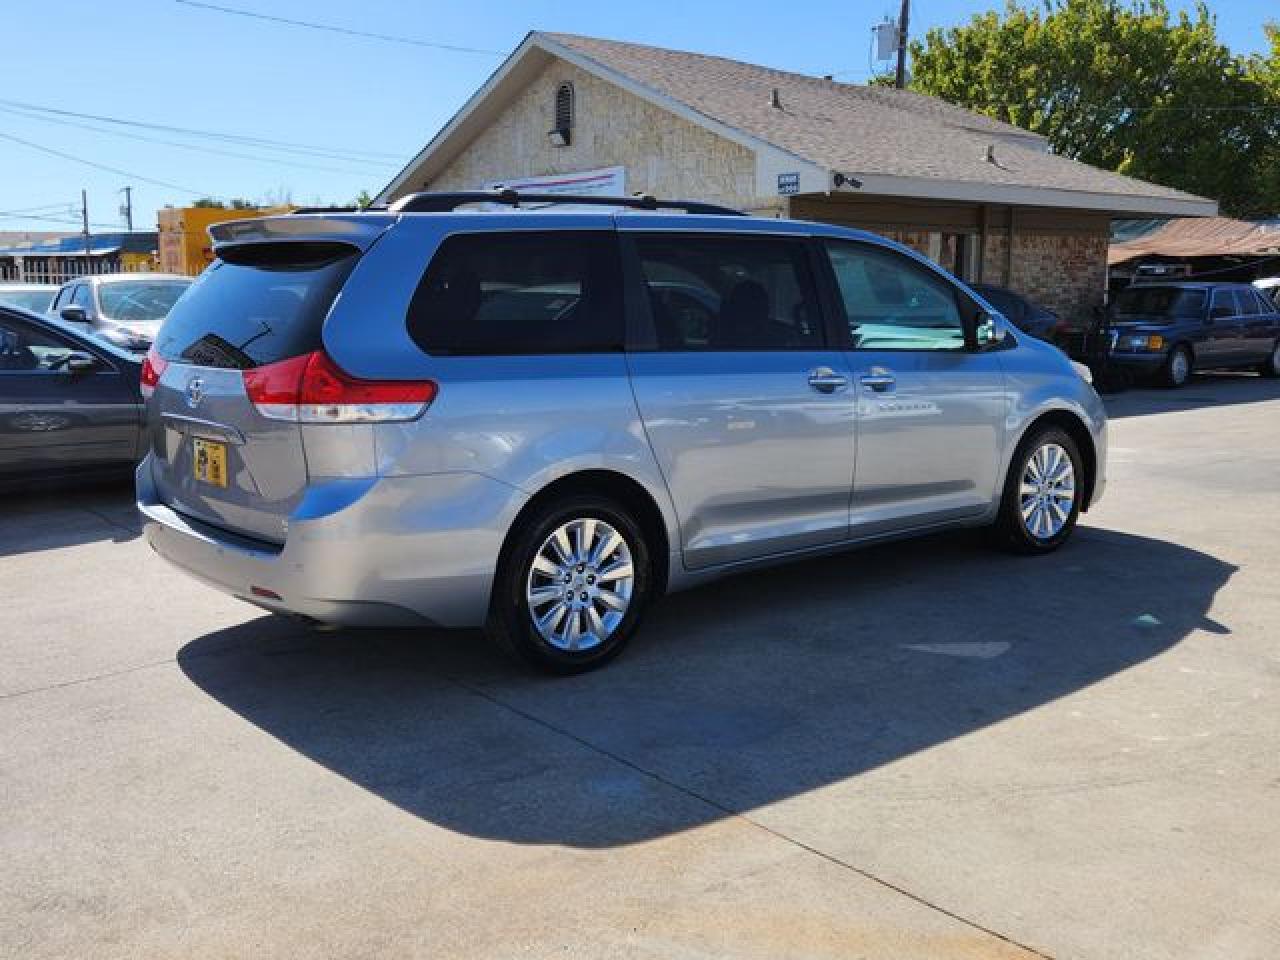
(732, 697)
(34, 520)
(1203, 390)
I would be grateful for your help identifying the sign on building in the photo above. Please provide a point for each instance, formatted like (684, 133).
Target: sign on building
(606, 182)
(788, 184)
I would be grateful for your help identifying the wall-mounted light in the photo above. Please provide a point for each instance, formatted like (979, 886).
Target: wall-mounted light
(559, 137)
(844, 180)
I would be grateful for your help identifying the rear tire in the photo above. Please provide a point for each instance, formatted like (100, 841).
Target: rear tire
(1042, 494)
(1177, 369)
(572, 585)
(1270, 367)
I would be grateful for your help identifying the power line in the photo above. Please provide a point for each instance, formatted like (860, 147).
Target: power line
(45, 208)
(332, 28)
(184, 146)
(103, 166)
(281, 145)
(12, 215)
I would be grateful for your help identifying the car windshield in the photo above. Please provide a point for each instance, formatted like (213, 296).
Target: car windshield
(37, 300)
(1159, 302)
(140, 301)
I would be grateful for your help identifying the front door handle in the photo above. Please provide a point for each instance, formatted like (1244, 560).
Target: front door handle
(878, 381)
(826, 380)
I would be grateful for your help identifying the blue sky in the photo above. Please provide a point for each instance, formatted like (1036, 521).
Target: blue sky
(178, 65)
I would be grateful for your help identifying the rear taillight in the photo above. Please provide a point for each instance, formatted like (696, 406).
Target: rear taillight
(153, 367)
(311, 389)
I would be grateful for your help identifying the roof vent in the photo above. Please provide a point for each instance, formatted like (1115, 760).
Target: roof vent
(775, 100)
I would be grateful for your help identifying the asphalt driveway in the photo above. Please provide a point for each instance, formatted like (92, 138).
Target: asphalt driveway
(917, 750)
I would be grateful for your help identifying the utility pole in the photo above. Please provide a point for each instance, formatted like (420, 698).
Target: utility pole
(127, 209)
(900, 77)
(84, 219)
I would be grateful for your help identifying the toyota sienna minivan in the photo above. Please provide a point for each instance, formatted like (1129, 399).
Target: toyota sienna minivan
(540, 419)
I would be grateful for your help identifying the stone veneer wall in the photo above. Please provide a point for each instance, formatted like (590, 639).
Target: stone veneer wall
(664, 155)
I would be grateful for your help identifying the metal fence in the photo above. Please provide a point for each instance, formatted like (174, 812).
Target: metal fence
(59, 269)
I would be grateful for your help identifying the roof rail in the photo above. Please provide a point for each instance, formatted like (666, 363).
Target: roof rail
(444, 202)
(336, 209)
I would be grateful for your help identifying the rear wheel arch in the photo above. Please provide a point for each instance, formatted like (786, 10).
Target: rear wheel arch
(1075, 428)
(615, 486)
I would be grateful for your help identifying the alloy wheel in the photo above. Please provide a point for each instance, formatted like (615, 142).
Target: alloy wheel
(1048, 491)
(580, 583)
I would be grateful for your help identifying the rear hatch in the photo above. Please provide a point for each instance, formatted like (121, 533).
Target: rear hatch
(221, 451)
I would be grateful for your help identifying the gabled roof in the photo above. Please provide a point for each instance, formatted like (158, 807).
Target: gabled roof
(1208, 237)
(896, 142)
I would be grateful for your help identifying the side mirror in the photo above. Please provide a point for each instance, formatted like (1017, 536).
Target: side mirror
(80, 362)
(988, 331)
(73, 315)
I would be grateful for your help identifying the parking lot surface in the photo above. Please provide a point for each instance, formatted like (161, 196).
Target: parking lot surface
(917, 750)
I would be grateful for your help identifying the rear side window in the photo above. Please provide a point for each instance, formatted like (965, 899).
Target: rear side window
(729, 293)
(256, 305)
(520, 293)
(1224, 303)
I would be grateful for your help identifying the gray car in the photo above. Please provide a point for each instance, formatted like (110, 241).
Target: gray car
(540, 421)
(125, 309)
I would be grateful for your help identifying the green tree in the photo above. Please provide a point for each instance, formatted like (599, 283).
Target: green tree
(362, 200)
(1121, 85)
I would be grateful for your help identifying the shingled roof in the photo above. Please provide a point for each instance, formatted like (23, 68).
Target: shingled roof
(897, 142)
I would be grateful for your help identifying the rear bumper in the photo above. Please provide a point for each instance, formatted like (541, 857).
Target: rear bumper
(379, 552)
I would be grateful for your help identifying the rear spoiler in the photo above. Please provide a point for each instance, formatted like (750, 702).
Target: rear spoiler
(358, 230)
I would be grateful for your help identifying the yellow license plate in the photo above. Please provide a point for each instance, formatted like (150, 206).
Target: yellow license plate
(210, 460)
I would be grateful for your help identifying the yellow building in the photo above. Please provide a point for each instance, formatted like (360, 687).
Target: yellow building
(184, 234)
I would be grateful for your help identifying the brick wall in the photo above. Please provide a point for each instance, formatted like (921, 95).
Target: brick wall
(1065, 272)
(664, 155)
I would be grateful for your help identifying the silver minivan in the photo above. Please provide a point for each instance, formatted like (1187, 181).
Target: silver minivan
(540, 419)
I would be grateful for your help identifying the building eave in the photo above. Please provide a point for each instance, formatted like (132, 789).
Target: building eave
(877, 184)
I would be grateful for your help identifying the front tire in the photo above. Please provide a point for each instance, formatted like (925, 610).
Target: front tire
(1042, 493)
(572, 585)
(1177, 369)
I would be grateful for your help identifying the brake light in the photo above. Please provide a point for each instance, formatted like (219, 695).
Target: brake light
(312, 389)
(153, 368)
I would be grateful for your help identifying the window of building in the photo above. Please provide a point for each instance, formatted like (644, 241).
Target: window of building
(564, 106)
(893, 303)
(730, 293)
(520, 293)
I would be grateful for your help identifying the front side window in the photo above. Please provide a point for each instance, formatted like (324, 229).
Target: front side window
(24, 349)
(80, 295)
(520, 293)
(730, 293)
(892, 303)
(1161, 302)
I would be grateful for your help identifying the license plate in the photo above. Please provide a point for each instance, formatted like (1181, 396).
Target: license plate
(210, 460)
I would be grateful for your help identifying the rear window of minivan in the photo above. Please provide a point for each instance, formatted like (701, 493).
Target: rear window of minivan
(256, 304)
(527, 292)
